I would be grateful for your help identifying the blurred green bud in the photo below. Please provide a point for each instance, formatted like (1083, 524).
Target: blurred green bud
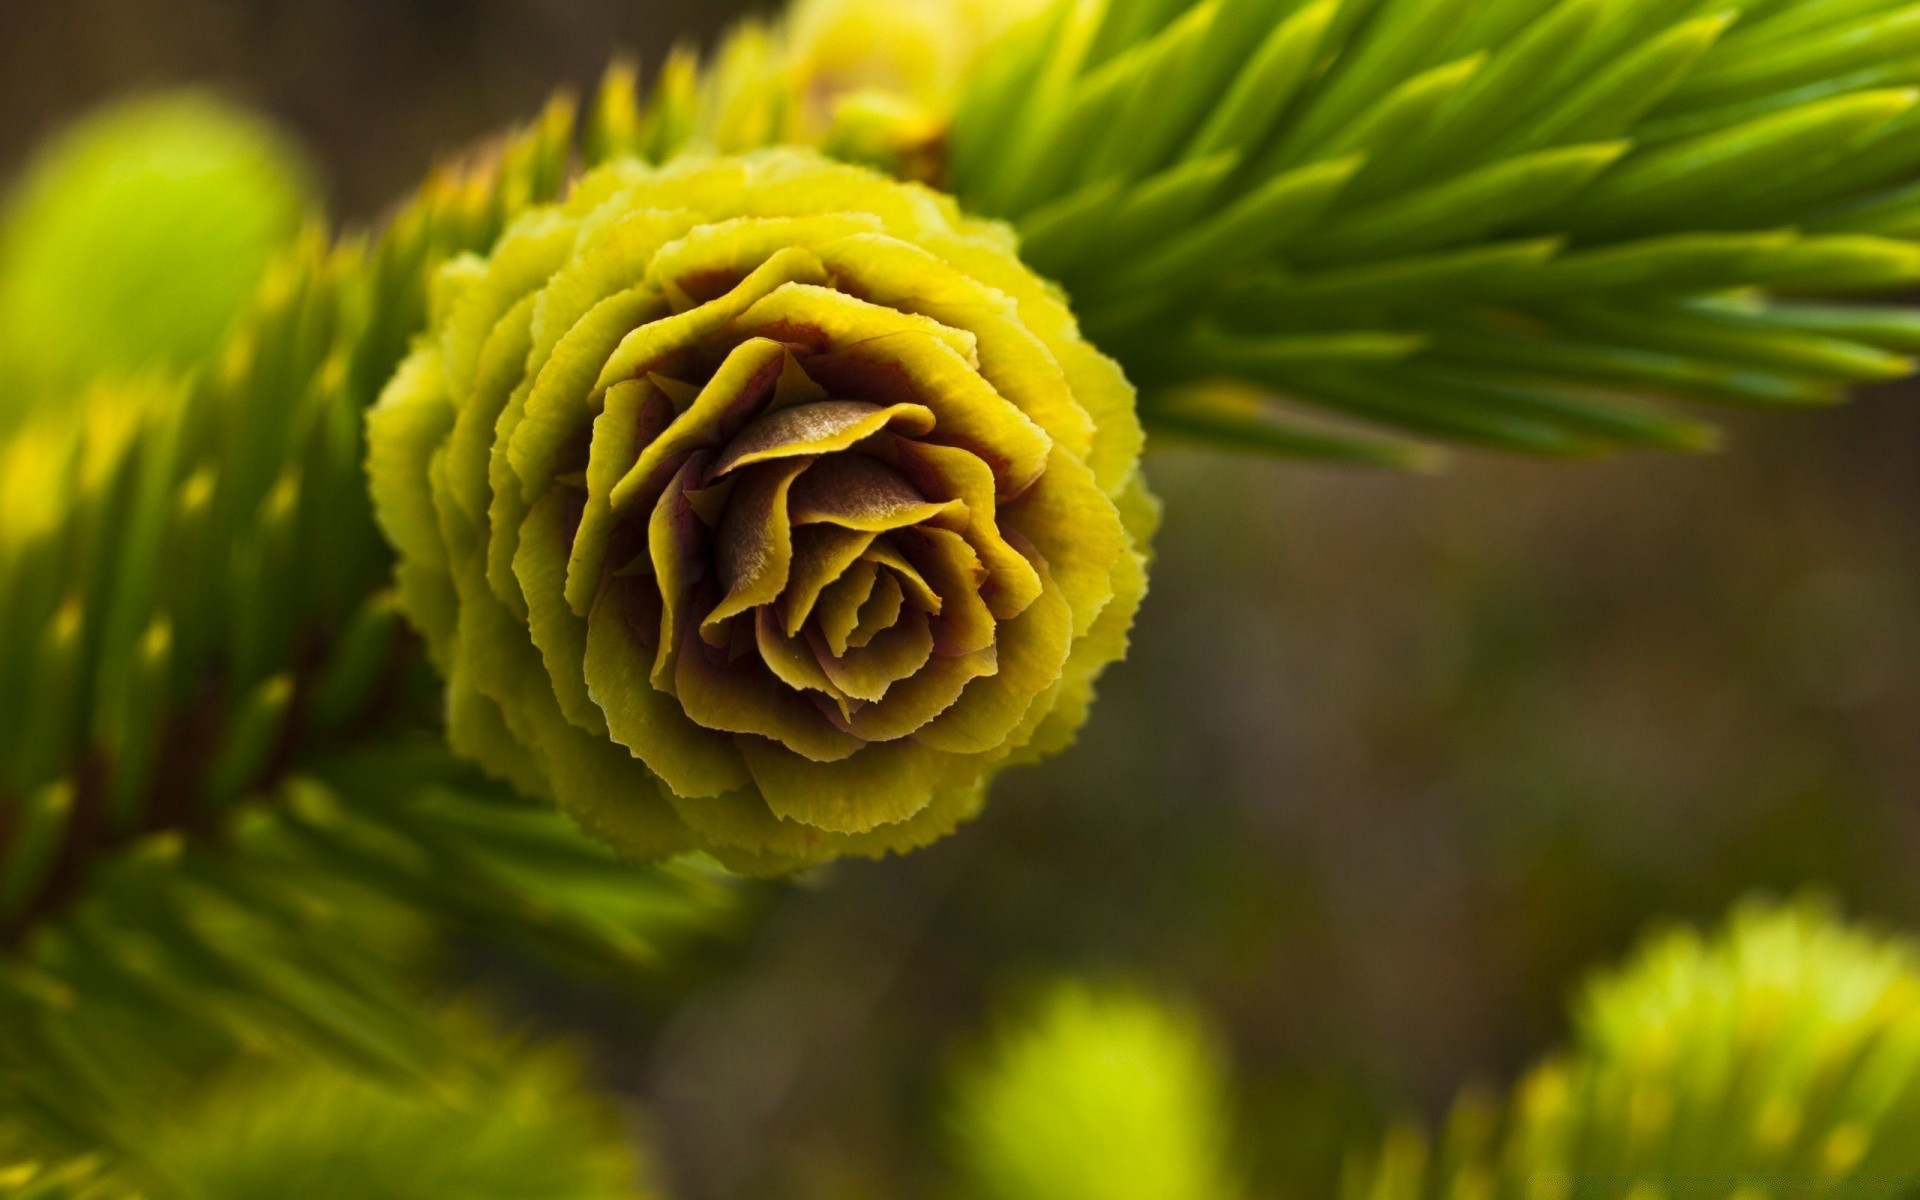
(1778, 1056)
(1101, 1094)
(870, 81)
(914, 49)
(1784, 1048)
(132, 238)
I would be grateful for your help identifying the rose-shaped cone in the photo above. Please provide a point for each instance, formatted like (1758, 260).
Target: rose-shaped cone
(763, 506)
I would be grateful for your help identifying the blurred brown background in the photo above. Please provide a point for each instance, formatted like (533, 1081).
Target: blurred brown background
(1394, 762)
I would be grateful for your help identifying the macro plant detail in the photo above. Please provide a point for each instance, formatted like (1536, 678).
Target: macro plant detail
(224, 821)
(1509, 222)
(180, 195)
(1094, 1090)
(1772, 1056)
(764, 504)
(142, 530)
(738, 473)
(1777, 1055)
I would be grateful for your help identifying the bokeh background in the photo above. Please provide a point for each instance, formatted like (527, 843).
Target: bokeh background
(1394, 762)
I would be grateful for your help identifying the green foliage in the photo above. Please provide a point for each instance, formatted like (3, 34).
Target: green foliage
(1779, 1058)
(216, 825)
(512, 1122)
(499, 1118)
(1098, 1094)
(194, 567)
(227, 825)
(133, 240)
(297, 925)
(72, 1179)
(191, 584)
(1503, 222)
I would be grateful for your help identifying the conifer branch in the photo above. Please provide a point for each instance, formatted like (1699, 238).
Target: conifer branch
(222, 797)
(1509, 222)
(499, 1117)
(1780, 1056)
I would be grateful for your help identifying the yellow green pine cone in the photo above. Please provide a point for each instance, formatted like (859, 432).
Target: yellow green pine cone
(763, 506)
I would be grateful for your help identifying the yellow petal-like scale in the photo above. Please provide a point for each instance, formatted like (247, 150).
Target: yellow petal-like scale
(763, 506)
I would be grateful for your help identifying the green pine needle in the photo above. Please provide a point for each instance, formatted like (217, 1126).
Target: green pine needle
(192, 588)
(1505, 222)
(498, 1119)
(508, 1122)
(222, 792)
(1575, 205)
(294, 925)
(1780, 1057)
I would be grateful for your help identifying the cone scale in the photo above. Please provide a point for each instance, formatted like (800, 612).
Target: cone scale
(762, 506)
